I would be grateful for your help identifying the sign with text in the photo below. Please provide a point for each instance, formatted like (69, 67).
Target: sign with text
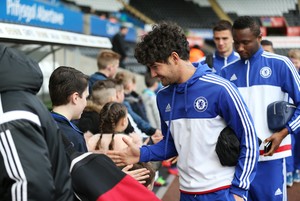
(272, 21)
(203, 33)
(293, 31)
(41, 15)
(105, 28)
(43, 35)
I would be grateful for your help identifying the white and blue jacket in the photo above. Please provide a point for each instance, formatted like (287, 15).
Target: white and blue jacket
(263, 79)
(192, 116)
(219, 61)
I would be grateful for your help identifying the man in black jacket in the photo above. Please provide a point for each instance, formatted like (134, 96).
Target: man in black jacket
(33, 161)
(119, 44)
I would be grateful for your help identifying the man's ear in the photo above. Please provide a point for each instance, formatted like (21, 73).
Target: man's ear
(259, 37)
(174, 57)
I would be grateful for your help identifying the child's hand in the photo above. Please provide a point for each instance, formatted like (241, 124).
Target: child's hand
(139, 174)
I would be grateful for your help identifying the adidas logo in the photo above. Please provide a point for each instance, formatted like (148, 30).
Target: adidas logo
(168, 108)
(278, 192)
(233, 77)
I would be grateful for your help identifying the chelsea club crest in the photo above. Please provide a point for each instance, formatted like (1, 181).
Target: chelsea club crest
(266, 72)
(200, 104)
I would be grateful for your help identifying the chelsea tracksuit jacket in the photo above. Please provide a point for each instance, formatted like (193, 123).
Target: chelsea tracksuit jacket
(263, 79)
(219, 61)
(192, 116)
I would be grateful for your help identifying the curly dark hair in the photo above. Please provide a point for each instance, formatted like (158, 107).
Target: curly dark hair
(158, 44)
(245, 22)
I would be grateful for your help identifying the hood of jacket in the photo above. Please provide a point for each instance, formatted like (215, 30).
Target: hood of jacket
(18, 72)
(201, 69)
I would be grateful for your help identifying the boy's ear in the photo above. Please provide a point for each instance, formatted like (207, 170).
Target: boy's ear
(112, 99)
(108, 67)
(74, 97)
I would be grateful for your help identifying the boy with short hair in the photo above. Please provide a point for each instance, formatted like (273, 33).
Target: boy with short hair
(108, 63)
(68, 89)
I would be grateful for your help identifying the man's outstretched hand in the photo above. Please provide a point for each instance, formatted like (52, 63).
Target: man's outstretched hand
(129, 155)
